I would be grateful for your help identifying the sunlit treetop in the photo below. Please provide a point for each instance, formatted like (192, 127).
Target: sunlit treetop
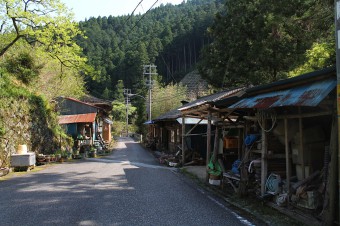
(43, 23)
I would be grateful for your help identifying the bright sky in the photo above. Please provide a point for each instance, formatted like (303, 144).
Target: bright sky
(94, 8)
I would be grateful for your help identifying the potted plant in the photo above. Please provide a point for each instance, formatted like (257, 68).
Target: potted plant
(40, 158)
(92, 152)
(58, 155)
(63, 156)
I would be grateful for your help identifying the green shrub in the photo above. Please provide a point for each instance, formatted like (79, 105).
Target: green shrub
(24, 67)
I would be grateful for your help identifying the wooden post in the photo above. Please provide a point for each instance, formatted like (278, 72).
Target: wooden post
(239, 148)
(216, 144)
(208, 144)
(337, 41)
(301, 151)
(287, 160)
(183, 140)
(330, 196)
(264, 164)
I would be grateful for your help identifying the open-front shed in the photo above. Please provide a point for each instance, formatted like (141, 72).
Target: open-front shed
(289, 152)
(166, 132)
(277, 142)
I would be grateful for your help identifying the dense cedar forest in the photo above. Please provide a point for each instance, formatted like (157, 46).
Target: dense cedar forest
(232, 43)
(168, 36)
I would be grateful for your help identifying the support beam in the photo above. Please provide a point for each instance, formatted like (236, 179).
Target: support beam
(208, 144)
(301, 147)
(306, 115)
(287, 159)
(337, 41)
(183, 141)
(331, 193)
(264, 163)
(194, 127)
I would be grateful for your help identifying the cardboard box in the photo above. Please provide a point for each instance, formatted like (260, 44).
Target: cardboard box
(230, 142)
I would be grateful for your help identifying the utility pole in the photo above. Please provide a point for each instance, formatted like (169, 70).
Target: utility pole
(337, 35)
(149, 70)
(127, 93)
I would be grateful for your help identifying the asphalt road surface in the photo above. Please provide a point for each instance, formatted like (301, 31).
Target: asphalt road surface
(128, 187)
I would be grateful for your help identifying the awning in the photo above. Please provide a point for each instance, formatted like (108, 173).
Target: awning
(307, 95)
(80, 118)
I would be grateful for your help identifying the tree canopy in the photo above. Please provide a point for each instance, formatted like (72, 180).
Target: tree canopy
(262, 41)
(44, 23)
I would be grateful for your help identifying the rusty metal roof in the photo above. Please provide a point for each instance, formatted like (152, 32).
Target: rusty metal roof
(80, 118)
(307, 95)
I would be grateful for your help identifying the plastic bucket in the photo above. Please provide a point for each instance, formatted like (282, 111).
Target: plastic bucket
(22, 149)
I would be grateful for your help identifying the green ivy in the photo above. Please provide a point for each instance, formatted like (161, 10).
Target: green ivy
(2, 129)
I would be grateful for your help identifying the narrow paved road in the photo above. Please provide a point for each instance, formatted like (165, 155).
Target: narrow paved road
(128, 187)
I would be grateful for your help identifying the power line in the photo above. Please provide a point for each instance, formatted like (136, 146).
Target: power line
(144, 14)
(167, 67)
(133, 12)
(139, 19)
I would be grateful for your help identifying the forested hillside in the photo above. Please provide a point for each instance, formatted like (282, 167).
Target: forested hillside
(169, 36)
(244, 42)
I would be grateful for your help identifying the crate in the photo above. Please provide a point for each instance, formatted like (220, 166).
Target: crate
(230, 142)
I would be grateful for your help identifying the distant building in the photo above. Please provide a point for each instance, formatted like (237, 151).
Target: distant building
(197, 87)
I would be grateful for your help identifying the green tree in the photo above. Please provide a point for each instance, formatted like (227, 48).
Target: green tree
(166, 98)
(118, 94)
(261, 41)
(43, 23)
(106, 94)
(321, 55)
(41, 73)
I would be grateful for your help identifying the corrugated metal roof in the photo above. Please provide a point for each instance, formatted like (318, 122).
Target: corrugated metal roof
(170, 115)
(306, 95)
(294, 81)
(211, 98)
(80, 118)
(176, 113)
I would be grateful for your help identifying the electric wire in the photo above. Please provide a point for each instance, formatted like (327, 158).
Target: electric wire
(144, 15)
(128, 33)
(132, 12)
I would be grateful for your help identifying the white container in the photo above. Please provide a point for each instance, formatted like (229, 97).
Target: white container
(19, 160)
(215, 182)
(299, 172)
(173, 164)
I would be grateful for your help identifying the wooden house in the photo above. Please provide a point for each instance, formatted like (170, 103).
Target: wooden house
(87, 122)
